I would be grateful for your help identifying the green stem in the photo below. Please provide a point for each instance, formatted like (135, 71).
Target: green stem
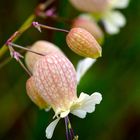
(17, 34)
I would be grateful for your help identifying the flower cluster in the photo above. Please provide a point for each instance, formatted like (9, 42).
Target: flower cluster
(53, 79)
(53, 84)
(105, 11)
(95, 11)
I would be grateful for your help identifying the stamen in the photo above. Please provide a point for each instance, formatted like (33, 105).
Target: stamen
(70, 129)
(66, 125)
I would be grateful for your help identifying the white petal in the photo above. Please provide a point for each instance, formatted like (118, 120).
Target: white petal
(113, 20)
(117, 18)
(79, 113)
(120, 4)
(83, 97)
(97, 97)
(109, 27)
(64, 114)
(86, 104)
(83, 66)
(89, 107)
(50, 128)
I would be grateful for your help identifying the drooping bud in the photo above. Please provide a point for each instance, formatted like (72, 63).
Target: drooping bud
(87, 22)
(43, 47)
(95, 6)
(55, 79)
(34, 94)
(83, 43)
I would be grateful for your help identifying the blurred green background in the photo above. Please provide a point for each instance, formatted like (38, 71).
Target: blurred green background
(116, 75)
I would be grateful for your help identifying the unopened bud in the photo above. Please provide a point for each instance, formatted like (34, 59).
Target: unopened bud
(83, 43)
(43, 47)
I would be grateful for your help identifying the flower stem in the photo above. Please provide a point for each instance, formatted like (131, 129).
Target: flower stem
(26, 25)
(23, 48)
(39, 26)
(18, 33)
(23, 66)
(17, 56)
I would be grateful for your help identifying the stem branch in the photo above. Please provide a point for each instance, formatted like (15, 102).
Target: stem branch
(23, 48)
(26, 25)
(18, 33)
(39, 26)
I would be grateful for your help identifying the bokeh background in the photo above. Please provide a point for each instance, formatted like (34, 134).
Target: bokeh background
(116, 75)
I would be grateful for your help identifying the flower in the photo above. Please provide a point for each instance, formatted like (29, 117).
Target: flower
(104, 10)
(83, 105)
(54, 79)
(40, 46)
(112, 19)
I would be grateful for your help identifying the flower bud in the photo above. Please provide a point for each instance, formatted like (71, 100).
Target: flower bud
(43, 47)
(87, 22)
(83, 43)
(55, 79)
(96, 6)
(34, 94)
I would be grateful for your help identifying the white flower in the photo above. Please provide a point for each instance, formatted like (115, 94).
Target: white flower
(83, 66)
(83, 105)
(104, 10)
(54, 81)
(113, 21)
